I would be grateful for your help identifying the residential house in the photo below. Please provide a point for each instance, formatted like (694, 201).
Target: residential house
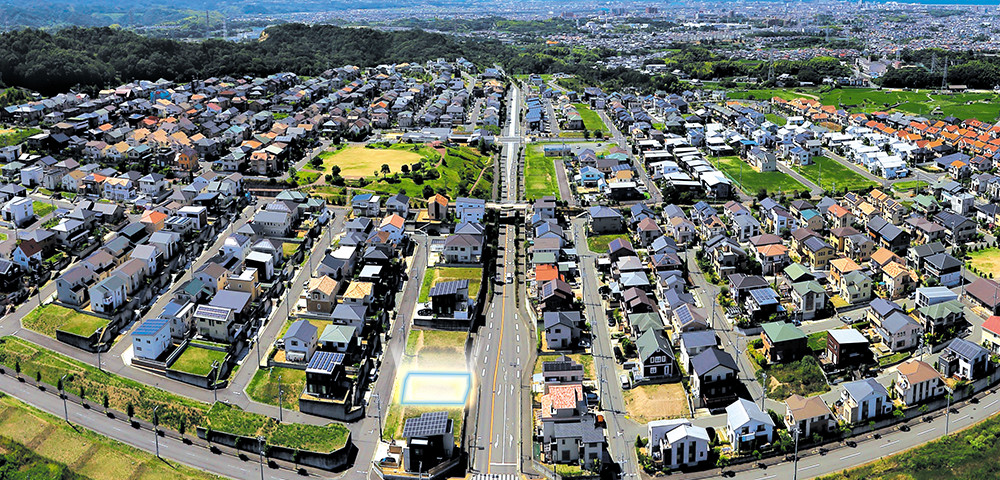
(917, 383)
(863, 400)
(747, 427)
(963, 359)
(847, 347)
(677, 443)
(783, 342)
(300, 341)
(562, 329)
(810, 415)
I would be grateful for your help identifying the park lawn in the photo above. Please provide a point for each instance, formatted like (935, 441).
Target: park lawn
(599, 243)
(263, 387)
(591, 119)
(197, 360)
(463, 172)
(645, 403)
(445, 274)
(539, 174)
(306, 177)
(49, 318)
(326, 438)
(42, 209)
(803, 377)
(96, 456)
(751, 181)
(969, 454)
(831, 175)
(909, 185)
(582, 358)
(817, 341)
(358, 161)
(986, 261)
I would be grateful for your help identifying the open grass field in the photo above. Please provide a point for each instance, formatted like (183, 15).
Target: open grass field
(831, 175)
(766, 94)
(49, 318)
(231, 419)
(446, 274)
(357, 161)
(264, 386)
(427, 350)
(803, 377)
(539, 174)
(591, 120)
(986, 261)
(909, 185)
(775, 119)
(646, 403)
(77, 449)
(973, 453)
(42, 209)
(599, 243)
(751, 182)
(197, 361)
(817, 341)
(306, 177)
(10, 137)
(174, 409)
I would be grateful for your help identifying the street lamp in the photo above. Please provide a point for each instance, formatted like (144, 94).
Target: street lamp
(260, 454)
(795, 459)
(62, 393)
(156, 424)
(279, 397)
(947, 411)
(378, 405)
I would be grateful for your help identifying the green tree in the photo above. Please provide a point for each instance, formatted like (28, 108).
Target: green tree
(385, 169)
(17, 368)
(105, 401)
(130, 411)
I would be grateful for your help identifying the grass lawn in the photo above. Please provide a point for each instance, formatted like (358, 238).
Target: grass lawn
(231, 419)
(358, 161)
(42, 209)
(444, 274)
(753, 181)
(909, 185)
(986, 261)
(264, 386)
(775, 119)
(831, 175)
(893, 358)
(591, 119)
(289, 248)
(306, 177)
(646, 403)
(10, 137)
(764, 94)
(49, 318)
(817, 341)
(197, 361)
(970, 454)
(582, 358)
(599, 243)
(803, 377)
(90, 454)
(539, 173)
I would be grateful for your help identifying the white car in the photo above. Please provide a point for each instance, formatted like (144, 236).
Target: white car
(510, 278)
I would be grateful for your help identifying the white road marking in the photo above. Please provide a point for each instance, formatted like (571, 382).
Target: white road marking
(892, 442)
(484, 372)
(851, 455)
(809, 467)
(992, 403)
(927, 431)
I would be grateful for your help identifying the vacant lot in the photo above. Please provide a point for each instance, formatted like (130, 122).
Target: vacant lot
(197, 361)
(359, 161)
(599, 243)
(42, 209)
(264, 386)
(803, 377)
(49, 318)
(10, 137)
(909, 185)
(89, 454)
(646, 403)
(591, 119)
(986, 261)
(751, 181)
(539, 173)
(231, 419)
(446, 274)
(831, 175)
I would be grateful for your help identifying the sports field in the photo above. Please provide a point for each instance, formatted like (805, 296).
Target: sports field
(357, 161)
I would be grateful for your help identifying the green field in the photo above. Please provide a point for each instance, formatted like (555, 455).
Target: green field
(591, 119)
(42, 209)
(909, 185)
(446, 274)
(599, 243)
(803, 377)
(10, 137)
(775, 119)
(306, 177)
(462, 172)
(764, 94)
(231, 419)
(751, 181)
(973, 453)
(539, 174)
(831, 175)
(197, 361)
(49, 318)
(174, 409)
(62, 451)
(263, 387)
(986, 261)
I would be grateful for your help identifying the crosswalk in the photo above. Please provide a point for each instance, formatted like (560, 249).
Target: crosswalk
(496, 476)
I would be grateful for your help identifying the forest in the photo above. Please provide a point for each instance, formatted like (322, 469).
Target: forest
(88, 59)
(926, 69)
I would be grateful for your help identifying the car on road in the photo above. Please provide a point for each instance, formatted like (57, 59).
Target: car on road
(510, 278)
(626, 381)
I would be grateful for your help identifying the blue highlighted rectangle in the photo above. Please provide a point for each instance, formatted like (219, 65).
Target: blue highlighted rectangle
(435, 388)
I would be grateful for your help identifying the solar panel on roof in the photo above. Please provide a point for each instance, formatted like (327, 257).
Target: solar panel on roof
(150, 327)
(432, 423)
(325, 361)
(214, 313)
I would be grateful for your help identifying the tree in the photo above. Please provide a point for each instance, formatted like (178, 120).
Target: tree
(17, 368)
(182, 426)
(428, 191)
(38, 377)
(404, 168)
(105, 401)
(82, 392)
(296, 455)
(335, 170)
(130, 411)
(385, 169)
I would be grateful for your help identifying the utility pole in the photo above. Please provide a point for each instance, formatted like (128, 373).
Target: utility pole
(947, 411)
(156, 437)
(378, 405)
(795, 459)
(62, 393)
(763, 389)
(279, 398)
(260, 454)
(215, 387)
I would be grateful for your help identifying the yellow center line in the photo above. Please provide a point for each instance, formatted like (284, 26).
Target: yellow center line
(496, 368)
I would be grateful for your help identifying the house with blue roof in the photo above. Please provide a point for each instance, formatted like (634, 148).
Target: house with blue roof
(151, 338)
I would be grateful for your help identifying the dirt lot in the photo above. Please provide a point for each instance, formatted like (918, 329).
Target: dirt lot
(646, 403)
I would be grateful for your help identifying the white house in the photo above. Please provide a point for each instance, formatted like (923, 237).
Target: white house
(863, 400)
(470, 209)
(151, 338)
(108, 295)
(20, 210)
(747, 426)
(917, 382)
(676, 443)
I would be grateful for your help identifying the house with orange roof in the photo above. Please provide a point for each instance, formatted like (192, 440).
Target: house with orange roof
(898, 279)
(153, 220)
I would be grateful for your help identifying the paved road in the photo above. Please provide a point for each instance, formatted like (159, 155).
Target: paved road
(654, 192)
(814, 189)
(621, 431)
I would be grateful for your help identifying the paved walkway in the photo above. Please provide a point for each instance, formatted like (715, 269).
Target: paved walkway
(814, 189)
